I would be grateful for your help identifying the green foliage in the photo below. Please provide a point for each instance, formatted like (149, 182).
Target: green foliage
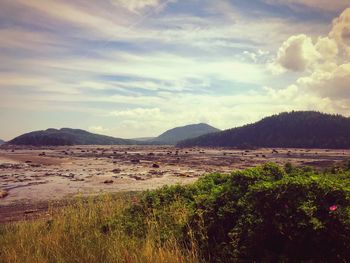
(262, 214)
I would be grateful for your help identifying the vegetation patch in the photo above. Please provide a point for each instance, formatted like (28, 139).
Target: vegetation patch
(264, 214)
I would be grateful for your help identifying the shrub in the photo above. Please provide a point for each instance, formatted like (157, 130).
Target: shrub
(262, 214)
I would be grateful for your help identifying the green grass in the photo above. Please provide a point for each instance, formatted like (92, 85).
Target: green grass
(79, 233)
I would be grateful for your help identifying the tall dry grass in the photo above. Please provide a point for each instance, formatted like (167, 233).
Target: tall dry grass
(79, 233)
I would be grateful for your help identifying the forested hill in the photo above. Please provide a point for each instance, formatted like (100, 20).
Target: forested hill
(66, 136)
(299, 129)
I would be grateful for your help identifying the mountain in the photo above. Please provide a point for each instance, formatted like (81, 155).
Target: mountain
(297, 129)
(66, 136)
(143, 139)
(2, 142)
(182, 133)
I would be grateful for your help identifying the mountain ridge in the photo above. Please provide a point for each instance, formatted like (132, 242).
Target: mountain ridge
(66, 136)
(296, 129)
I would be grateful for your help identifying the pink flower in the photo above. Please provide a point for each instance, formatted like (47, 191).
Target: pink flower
(333, 208)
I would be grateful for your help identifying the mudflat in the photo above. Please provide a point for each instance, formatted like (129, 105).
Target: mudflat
(31, 177)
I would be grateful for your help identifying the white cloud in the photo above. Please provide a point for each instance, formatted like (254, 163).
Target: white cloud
(136, 5)
(327, 48)
(327, 72)
(341, 30)
(138, 113)
(332, 84)
(98, 129)
(297, 53)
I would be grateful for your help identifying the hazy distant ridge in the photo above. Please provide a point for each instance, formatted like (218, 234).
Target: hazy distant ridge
(177, 134)
(299, 129)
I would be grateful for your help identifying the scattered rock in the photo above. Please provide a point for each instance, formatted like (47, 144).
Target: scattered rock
(108, 182)
(116, 171)
(135, 161)
(184, 175)
(30, 211)
(3, 194)
(10, 166)
(137, 177)
(78, 180)
(155, 165)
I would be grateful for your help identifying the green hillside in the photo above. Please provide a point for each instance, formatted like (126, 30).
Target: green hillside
(66, 136)
(299, 129)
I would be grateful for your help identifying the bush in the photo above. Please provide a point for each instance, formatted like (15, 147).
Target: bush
(262, 214)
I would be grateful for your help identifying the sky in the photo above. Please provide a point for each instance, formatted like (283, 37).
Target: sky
(135, 68)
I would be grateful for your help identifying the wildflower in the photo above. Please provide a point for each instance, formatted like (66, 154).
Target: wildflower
(333, 208)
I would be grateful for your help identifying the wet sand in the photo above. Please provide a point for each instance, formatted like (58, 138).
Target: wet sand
(32, 177)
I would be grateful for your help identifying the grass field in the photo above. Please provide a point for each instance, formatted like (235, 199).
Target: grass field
(79, 233)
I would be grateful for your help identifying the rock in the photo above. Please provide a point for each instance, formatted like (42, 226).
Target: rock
(78, 180)
(135, 161)
(155, 165)
(116, 171)
(3, 193)
(184, 175)
(108, 182)
(30, 211)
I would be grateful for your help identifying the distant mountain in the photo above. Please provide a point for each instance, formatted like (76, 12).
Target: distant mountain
(143, 139)
(182, 133)
(66, 136)
(2, 142)
(297, 129)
